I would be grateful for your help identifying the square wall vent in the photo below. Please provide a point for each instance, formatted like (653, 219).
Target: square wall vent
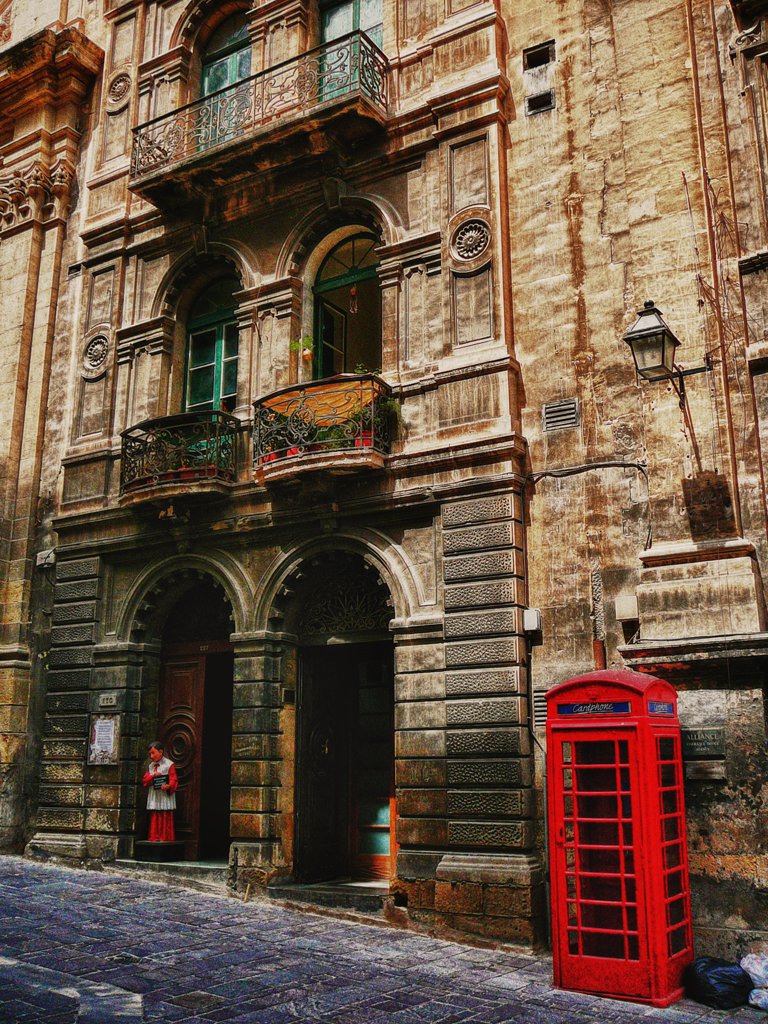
(539, 709)
(562, 415)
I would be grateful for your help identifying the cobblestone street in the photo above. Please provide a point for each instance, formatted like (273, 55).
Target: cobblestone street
(98, 948)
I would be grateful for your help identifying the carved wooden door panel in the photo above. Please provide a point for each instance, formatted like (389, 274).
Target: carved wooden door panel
(322, 768)
(181, 730)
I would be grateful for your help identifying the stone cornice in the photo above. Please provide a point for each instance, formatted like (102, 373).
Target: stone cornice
(54, 67)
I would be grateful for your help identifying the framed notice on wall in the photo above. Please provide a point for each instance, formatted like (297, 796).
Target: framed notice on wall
(104, 739)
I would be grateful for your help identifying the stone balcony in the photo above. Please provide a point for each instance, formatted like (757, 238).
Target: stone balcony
(342, 424)
(190, 455)
(330, 97)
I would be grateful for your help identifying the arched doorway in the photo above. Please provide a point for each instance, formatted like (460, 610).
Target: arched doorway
(344, 809)
(348, 309)
(192, 713)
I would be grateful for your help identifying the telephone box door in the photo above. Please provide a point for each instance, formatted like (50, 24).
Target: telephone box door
(600, 928)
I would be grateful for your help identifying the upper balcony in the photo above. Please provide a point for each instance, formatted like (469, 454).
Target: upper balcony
(191, 454)
(329, 97)
(339, 425)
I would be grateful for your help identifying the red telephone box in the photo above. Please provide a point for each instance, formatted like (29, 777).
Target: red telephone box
(621, 918)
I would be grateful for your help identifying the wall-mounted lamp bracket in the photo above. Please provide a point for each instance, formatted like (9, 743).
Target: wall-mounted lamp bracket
(682, 374)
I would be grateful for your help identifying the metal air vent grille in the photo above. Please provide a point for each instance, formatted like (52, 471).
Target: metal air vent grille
(562, 415)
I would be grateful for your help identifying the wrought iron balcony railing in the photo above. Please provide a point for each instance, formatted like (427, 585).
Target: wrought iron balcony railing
(347, 415)
(179, 451)
(349, 66)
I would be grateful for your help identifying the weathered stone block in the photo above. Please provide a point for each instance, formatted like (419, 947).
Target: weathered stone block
(484, 623)
(489, 804)
(421, 772)
(425, 714)
(13, 718)
(11, 747)
(254, 826)
(77, 569)
(489, 711)
(255, 773)
(83, 611)
(458, 897)
(415, 803)
(64, 750)
(102, 796)
(251, 695)
(420, 686)
(64, 657)
(256, 669)
(78, 590)
(420, 893)
(485, 773)
(479, 538)
(474, 567)
(417, 743)
(483, 652)
(422, 832)
(70, 819)
(61, 796)
(491, 594)
(100, 819)
(72, 634)
(487, 741)
(255, 720)
(66, 725)
(56, 771)
(516, 835)
(490, 680)
(482, 510)
(255, 747)
(710, 598)
(69, 679)
(254, 799)
(417, 864)
(419, 657)
(63, 703)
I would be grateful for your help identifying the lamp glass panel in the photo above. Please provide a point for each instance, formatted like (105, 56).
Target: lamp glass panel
(653, 357)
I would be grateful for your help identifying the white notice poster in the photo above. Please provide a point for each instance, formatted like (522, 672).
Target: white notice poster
(104, 736)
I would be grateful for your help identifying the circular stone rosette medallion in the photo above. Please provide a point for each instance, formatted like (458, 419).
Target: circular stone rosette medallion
(119, 88)
(95, 356)
(471, 240)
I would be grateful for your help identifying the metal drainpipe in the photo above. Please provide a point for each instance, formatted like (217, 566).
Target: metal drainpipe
(713, 260)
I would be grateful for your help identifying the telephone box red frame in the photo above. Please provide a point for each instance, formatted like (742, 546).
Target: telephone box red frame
(621, 917)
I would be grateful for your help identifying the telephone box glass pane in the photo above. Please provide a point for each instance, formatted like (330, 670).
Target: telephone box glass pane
(600, 834)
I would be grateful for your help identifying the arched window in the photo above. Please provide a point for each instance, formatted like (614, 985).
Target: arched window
(227, 57)
(210, 380)
(348, 309)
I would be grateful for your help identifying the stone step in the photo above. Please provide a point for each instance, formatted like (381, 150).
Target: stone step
(205, 876)
(362, 897)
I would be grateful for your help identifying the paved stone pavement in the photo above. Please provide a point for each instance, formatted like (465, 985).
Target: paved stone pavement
(100, 948)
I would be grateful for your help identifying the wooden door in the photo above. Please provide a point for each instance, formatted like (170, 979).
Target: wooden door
(322, 768)
(180, 719)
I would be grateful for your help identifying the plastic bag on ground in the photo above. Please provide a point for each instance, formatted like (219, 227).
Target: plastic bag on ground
(717, 983)
(756, 966)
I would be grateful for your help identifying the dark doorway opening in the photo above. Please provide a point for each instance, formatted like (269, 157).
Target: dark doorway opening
(194, 718)
(345, 763)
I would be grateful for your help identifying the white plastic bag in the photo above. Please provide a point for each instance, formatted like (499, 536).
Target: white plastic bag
(756, 966)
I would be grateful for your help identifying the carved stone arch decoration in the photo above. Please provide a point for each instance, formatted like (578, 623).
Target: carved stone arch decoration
(156, 592)
(377, 563)
(185, 274)
(201, 17)
(365, 212)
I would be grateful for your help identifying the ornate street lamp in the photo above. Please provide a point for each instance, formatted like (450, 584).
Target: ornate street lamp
(653, 348)
(652, 343)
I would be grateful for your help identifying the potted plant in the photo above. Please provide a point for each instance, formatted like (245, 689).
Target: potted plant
(305, 347)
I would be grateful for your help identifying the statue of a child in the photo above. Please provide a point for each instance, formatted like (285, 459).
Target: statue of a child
(163, 782)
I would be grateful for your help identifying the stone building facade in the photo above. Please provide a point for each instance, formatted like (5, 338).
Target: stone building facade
(316, 382)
